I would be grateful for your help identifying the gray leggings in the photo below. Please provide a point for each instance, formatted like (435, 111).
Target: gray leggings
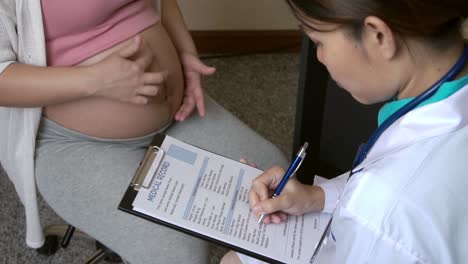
(83, 179)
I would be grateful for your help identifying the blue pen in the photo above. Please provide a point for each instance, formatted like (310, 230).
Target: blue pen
(289, 173)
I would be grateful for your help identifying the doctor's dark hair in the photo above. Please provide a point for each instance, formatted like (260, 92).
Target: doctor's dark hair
(438, 21)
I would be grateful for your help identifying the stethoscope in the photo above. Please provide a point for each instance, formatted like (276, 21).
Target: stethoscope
(365, 148)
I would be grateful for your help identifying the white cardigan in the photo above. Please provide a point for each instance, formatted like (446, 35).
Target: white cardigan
(22, 41)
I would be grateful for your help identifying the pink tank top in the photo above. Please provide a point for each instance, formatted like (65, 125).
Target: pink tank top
(75, 30)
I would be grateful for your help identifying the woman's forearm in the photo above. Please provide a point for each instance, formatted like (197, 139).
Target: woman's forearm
(120, 76)
(31, 86)
(173, 21)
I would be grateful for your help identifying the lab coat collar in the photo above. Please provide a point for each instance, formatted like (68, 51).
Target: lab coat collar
(421, 123)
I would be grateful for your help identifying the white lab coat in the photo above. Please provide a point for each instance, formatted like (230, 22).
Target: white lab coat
(409, 203)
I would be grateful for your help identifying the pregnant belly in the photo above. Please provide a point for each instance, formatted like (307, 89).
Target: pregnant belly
(106, 118)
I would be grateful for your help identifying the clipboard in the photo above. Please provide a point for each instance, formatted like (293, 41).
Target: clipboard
(143, 179)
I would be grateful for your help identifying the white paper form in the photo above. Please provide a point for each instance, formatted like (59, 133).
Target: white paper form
(208, 194)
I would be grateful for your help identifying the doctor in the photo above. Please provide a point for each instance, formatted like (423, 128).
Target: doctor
(406, 198)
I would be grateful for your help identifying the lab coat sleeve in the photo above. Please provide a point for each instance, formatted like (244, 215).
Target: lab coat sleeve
(333, 189)
(357, 242)
(8, 34)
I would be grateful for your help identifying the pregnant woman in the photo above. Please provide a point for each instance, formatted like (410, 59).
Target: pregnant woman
(84, 86)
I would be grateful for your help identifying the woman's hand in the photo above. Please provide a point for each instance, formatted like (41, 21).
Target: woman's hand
(193, 93)
(295, 199)
(122, 75)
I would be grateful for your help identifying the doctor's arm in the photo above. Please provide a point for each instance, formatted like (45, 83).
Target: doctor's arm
(332, 189)
(359, 242)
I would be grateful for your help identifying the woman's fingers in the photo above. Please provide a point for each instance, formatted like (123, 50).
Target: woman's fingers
(197, 65)
(185, 109)
(125, 76)
(144, 59)
(151, 83)
(139, 100)
(132, 48)
(156, 78)
(138, 52)
(244, 160)
(148, 90)
(199, 101)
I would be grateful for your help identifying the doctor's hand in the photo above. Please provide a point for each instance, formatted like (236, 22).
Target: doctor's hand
(295, 199)
(124, 75)
(193, 93)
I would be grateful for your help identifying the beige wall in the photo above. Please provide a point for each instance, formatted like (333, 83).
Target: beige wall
(237, 15)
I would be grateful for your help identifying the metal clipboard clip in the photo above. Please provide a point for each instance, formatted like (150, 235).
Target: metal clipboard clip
(147, 169)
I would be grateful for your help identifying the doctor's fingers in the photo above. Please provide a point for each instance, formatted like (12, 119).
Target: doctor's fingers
(264, 185)
(270, 177)
(276, 218)
(283, 202)
(258, 193)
